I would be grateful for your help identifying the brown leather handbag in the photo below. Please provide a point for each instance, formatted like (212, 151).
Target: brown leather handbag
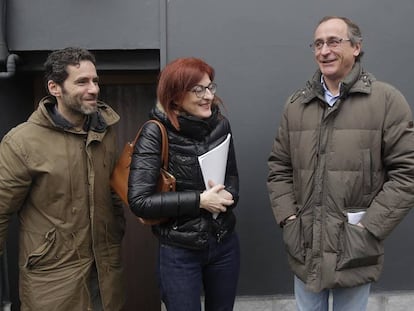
(120, 174)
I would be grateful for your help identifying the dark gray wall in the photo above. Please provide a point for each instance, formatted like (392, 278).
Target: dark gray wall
(260, 52)
(92, 24)
(261, 55)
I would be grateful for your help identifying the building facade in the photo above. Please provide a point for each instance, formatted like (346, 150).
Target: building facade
(260, 52)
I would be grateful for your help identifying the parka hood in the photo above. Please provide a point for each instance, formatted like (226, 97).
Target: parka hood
(98, 122)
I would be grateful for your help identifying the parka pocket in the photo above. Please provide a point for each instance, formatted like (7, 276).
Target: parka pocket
(358, 248)
(293, 239)
(40, 252)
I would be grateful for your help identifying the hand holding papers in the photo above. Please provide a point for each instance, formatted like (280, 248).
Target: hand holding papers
(213, 164)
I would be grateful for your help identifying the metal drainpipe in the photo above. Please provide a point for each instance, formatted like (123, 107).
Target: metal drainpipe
(12, 59)
(9, 60)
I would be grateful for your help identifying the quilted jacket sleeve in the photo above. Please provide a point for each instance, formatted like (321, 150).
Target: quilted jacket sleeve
(232, 177)
(280, 178)
(396, 197)
(143, 198)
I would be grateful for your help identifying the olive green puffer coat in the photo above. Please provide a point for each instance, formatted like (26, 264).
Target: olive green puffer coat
(328, 161)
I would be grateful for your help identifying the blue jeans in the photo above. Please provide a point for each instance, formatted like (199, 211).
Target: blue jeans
(344, 299)
(185, 273)
(95, 293)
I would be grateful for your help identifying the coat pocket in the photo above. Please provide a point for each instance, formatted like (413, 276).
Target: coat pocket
(358, 248)
(293, 239)
(40, 252)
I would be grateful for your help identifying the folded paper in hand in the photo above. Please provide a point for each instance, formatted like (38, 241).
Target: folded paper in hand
(355, 217)
(213, 164)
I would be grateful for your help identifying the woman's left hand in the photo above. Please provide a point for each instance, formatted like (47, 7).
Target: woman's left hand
(216, 199)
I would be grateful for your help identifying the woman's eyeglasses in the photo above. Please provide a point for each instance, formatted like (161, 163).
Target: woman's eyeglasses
(200, 90)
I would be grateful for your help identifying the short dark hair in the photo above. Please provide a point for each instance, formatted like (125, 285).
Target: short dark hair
(57, 61)
(354, 32)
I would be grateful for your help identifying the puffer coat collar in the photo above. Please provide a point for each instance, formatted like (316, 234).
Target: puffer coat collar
(357, 81)
(190, 126)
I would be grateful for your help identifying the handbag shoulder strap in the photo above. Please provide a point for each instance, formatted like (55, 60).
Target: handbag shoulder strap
(164, 142)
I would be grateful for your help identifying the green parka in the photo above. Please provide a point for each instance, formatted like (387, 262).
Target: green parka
(328, 161)
(58, 182)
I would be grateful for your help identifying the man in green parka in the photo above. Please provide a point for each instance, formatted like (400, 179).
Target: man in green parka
(341, 172)
(54, 172)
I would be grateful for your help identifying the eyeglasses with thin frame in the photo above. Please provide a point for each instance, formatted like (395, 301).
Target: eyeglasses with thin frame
(331, 43)
(200, 90)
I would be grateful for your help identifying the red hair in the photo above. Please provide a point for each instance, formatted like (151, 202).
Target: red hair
(176, 79)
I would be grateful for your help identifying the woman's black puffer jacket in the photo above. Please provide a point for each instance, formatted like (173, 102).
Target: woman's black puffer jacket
(189, 226)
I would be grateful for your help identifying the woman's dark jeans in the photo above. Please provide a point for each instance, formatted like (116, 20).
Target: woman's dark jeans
(185, 273)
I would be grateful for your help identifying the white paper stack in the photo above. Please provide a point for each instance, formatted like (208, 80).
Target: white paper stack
(213, 164)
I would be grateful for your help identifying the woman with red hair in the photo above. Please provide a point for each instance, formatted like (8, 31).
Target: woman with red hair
(199, 252)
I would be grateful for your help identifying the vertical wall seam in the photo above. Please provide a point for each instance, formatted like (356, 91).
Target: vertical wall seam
(163, 33)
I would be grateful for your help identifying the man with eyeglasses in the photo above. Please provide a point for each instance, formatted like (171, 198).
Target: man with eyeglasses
(341, 172)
